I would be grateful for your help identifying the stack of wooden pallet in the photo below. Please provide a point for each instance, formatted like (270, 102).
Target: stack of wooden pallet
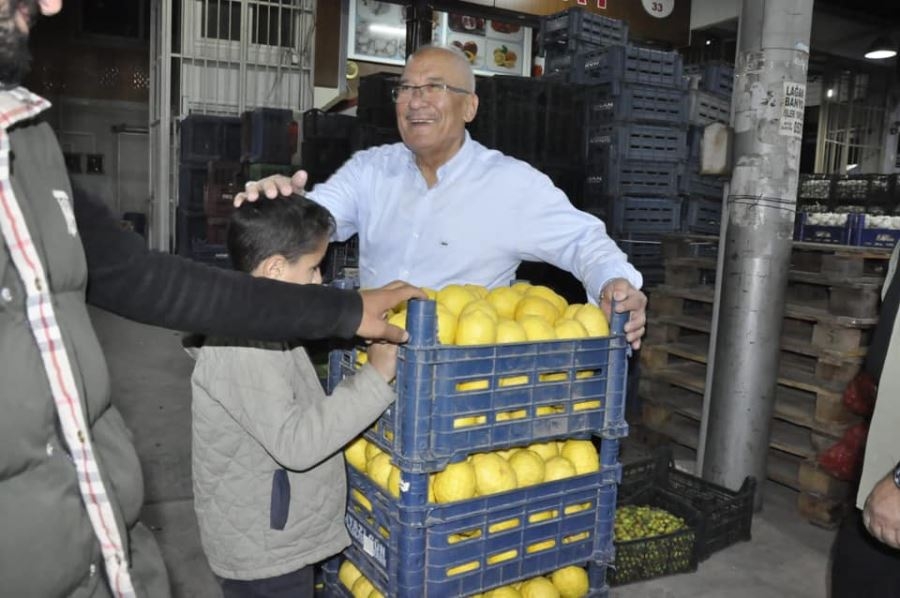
(832, 305)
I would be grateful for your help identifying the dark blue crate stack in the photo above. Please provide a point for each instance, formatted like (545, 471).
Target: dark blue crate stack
(709, 102)
(409, 547)
(327, 143)
(511, 116)
(268, 136)
(209, 150)
(375, 111)
(565, 38)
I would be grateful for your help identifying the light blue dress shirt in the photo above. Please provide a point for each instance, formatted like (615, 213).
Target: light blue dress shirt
(487, 213)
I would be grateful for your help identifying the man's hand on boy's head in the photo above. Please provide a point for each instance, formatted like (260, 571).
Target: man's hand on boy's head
(273, 186)
(377, 302)
(383, 357)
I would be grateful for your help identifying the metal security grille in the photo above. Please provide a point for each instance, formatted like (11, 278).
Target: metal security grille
(851, 125)
(220, 57)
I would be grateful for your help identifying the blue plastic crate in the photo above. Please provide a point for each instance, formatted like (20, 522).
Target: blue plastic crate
(631, 177)
(414, 549)
(645, 215)
(635, 102)
(573, 27)
(706, 108)
(204, 137)
(702, 215)
(873, 237)
(632, 64)
(636, 141)
(266, 135)
(695, 184)
(433, 421)
(718, 78)
(841, 234)
(192, 178)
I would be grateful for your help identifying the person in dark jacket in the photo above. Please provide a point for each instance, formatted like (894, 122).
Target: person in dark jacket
(70, 480)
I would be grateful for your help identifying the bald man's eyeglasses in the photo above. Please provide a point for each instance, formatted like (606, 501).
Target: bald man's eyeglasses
(428, 91)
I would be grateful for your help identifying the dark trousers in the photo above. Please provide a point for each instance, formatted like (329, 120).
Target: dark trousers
(861, 566)
(298, 584)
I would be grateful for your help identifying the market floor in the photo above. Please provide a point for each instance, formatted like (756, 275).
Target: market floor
(150, 383)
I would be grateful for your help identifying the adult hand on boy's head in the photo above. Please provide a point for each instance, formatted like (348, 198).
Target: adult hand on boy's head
(272, 187)
(377, 302)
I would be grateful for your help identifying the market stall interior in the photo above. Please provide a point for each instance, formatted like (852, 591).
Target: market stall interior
(754, 183)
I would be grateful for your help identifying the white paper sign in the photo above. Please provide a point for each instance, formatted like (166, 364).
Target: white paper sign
(792, 110)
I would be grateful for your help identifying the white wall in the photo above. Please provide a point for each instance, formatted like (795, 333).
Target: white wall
(85, 126)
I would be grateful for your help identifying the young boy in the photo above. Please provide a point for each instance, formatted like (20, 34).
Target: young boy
(269, 480)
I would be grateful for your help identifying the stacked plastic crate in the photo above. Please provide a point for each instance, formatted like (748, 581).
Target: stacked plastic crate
(377, 121)
(709, 102)
(269, 138)
(452, 402)
(209, 150)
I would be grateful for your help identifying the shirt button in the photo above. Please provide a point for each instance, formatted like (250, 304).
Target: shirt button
(37, 284)
(49, 450)
(80, 436)
(93, 569)
(6, 294)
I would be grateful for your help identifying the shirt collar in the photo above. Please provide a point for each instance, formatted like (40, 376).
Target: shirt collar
(19, 104)
(451, 165)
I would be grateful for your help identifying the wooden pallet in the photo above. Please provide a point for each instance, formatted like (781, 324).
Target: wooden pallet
(849, 297)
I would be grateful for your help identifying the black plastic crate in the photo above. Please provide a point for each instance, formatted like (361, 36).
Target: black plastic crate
(644, 214)
(213, 254)
(659, 556)
(340, 255)
(695, 184)
(706, 108)
(635, 102)
(266, 135)
(633, 177)
(570, 180)
(204, 137)
(636, 141)
(717, 78)
(324, 125)
(509, 108)
(366, 136)
(815, 187)
(564, 30)
(192, 179)
(320, 158)
(863, 187)
(727, 514)
(190, 226)
(632, 64)
(563, 124)
(374, 104)
(702, 215)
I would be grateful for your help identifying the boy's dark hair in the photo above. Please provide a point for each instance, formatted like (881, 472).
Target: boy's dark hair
(290, 226)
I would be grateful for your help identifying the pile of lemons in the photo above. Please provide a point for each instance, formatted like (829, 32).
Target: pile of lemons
(568, 582)
(474, 315)
(483, 474)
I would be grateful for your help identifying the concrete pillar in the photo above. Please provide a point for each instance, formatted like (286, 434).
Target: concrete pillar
(770, 84)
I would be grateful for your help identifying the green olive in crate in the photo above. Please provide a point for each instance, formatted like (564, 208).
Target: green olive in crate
(639, 522)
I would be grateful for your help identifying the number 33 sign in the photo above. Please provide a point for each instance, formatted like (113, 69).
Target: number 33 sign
(659, 8)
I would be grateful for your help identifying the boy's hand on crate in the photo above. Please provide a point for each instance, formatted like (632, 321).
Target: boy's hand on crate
(273, 186)
(627, 298)
(882, 512)
(377, 302)
(383, 357)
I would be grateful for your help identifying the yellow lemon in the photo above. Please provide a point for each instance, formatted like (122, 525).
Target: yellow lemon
(571, 310)
(480, 305)
(546, 450)
(521, 287)
(538, 587)
(446, 323)
(455, 297)
(348, 574)
(550, 295)
(398, 319)
(362, 587)
(379, 469)
(582, 454)
(431, 497)
(355, 453)
(593, 319)
(457, 482)
(477, 290)
(362, 358)
(492, 474)
(510, 331)
(569, 329)
(507, 453)
(371, 450)
(430, 293)
(558, 468)
(529, 467)
(375, 594)
(572, 582)
(531, 305)
(503, 592)
(476, 328)
(504, 300)
(537, 328)
(393, 482)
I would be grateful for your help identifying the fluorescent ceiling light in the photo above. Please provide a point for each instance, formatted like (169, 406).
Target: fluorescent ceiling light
(881, 48)
(852, 166)
(387, 30)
